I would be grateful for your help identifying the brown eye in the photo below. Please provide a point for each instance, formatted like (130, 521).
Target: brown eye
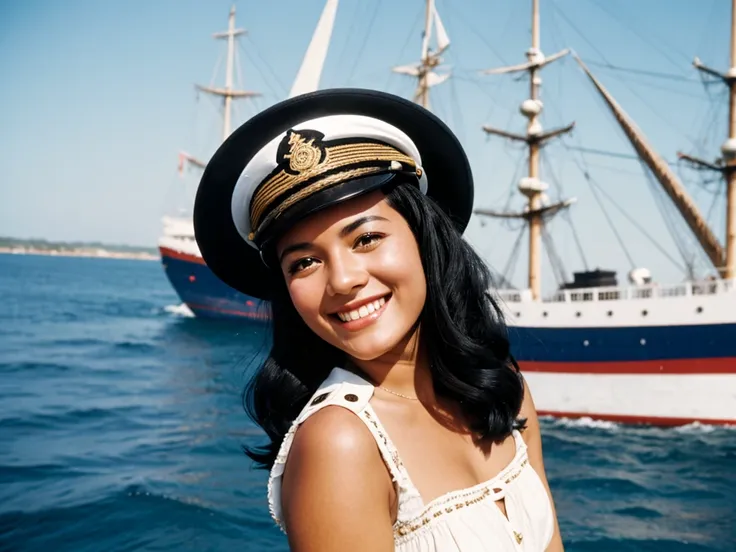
(302, 264)
(367, 240)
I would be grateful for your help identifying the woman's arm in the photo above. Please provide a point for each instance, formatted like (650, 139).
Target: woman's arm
(533, 439)
(336, 493)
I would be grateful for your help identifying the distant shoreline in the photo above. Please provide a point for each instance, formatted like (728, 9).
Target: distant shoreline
(87, 253)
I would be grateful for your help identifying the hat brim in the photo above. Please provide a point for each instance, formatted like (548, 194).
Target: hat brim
(233, 260)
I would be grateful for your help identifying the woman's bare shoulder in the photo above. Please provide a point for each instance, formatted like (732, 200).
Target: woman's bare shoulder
(334, 430)
(336, 488)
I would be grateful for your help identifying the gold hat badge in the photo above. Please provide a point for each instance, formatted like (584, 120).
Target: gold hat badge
(306, 164)
(303, 154)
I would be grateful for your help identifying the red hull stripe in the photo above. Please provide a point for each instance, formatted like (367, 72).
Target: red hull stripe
(675, 366)
(634, 419)
(178, 255)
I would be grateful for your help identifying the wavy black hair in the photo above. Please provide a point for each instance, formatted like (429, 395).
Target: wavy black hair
(462, 327)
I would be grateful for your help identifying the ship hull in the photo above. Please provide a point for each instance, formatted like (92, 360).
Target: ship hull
(670, 375)
(206, 295)
(664, 356)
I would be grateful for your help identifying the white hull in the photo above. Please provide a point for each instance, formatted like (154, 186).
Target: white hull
(646, 398)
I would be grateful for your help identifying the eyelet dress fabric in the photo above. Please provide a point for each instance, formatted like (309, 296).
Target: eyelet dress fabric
(466, 520)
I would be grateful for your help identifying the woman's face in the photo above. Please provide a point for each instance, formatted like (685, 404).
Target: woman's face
(355, 276)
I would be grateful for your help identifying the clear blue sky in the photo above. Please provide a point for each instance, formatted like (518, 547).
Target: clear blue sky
(98, 99)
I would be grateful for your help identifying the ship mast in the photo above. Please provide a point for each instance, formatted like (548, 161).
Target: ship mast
(727, 163)
(227, 93)
(531, 186)
(423, 71)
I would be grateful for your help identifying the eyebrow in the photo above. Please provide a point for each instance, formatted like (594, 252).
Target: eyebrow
(346, 231)
(292, 248)
(357, 223)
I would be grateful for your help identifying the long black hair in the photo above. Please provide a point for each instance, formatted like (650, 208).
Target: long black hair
(462, 329)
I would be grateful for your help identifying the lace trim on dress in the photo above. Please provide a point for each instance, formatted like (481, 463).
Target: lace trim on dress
(493, 489)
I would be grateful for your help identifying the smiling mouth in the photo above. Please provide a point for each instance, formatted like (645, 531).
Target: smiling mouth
(363, 311)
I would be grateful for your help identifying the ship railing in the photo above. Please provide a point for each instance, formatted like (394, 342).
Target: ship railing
(645, 291)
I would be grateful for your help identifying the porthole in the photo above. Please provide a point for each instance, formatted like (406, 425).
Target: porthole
(644, 312)
(699, 310)
(610, 313)
(577, 314)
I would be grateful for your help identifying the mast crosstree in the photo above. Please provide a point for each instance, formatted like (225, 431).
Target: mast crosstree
(424, 70)
(228, 93)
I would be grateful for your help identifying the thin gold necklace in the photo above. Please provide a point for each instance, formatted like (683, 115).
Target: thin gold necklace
(399, 394)
(387, 390)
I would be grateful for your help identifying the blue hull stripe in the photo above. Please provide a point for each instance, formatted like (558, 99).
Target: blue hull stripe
(623, 344)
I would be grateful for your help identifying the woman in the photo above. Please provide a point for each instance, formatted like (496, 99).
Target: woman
(397, 418)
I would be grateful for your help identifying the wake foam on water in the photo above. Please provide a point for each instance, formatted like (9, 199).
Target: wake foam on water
(697, 427)
(589, 423)
(584, 422)
(179, 310)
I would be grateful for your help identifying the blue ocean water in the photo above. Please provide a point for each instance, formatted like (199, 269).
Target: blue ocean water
(121, 425)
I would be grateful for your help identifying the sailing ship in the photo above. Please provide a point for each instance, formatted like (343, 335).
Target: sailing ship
(645, 352)
(202, 293)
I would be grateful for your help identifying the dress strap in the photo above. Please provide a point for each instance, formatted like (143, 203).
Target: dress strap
(388, 451)
(409, 499)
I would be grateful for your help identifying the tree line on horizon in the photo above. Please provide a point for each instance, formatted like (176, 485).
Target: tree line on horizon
(46, 245)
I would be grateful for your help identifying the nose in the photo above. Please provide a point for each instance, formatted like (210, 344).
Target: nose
(346, 274)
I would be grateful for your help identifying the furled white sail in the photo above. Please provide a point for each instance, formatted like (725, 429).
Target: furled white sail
(443, 41)
(433, 79)
(411, 70)
(427, 29)
(430, 59)
(307, 79)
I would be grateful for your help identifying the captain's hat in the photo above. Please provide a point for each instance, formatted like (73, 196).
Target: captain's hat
(311, 152)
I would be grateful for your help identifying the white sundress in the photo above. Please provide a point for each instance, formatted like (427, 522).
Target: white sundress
(467, 520)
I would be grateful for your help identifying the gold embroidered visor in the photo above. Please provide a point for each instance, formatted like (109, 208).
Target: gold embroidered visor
(307, 164)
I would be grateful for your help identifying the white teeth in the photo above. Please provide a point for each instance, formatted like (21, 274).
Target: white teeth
(362, 312)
